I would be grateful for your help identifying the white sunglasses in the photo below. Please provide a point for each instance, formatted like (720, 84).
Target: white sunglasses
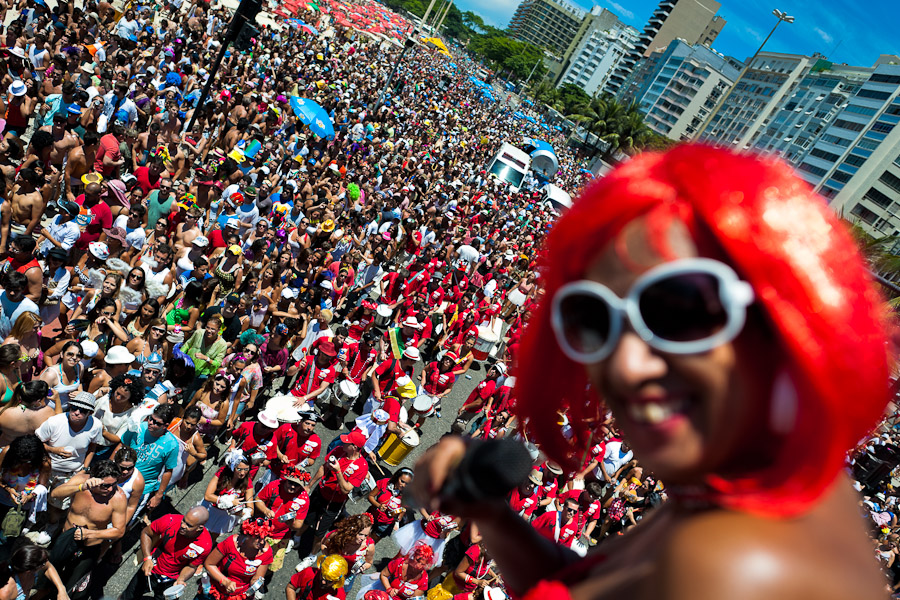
(687, 306)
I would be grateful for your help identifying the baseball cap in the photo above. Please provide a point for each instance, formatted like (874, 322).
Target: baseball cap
(355, 437)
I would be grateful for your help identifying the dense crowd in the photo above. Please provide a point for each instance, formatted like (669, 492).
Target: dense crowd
(186, 305)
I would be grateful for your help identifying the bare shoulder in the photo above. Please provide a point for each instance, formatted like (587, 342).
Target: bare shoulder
(722, 554)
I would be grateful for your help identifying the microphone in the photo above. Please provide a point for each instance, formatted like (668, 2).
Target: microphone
(490, 469)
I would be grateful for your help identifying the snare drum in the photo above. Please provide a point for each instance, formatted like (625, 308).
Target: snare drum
(345, 393)
(383, 315)
(424, 405)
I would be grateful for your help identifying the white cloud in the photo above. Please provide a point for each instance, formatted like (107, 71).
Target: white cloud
(824, 35)
(624, 12)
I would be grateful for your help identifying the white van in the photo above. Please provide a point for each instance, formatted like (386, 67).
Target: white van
(510, 165)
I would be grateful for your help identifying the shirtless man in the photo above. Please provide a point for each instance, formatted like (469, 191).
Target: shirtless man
(145, 142)
(186, 232)
(10, 155)
(80, 163)
(98, 514)
(23, 214)
(177, 165)
(63, 141)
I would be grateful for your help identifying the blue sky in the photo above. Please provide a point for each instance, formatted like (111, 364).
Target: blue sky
(844, 31)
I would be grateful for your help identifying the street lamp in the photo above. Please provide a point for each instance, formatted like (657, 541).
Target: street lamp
(782, 17)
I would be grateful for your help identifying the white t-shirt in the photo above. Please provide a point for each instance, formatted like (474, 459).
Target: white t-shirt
(468, 254)
(115, 423)
(613, 459)
(56, 431)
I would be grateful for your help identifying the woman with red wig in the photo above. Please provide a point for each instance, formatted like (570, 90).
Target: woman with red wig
(405, 577)
(721, 311)
(237, 563)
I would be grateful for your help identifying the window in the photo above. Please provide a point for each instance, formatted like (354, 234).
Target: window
(850, 125)
(811, 169)
(873, 94)
(882, 127)
(856, 161)
(828, 192)
(864, 213)
(882, 78)
(890, 180)
(829, 156)
(841, 176)
(865, 144)
(882, 200)
(860, 110)
(837, 141)
(893, 109)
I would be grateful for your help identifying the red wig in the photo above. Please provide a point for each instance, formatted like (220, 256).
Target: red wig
(808, 278)
(422, 552)
(257, 527)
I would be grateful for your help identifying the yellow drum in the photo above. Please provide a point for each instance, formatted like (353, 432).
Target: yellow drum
(395, 448)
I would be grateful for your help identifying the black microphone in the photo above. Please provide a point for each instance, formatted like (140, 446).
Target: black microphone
(489, 469)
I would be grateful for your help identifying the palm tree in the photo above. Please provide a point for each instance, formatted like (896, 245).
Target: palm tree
(883, 262)
(601, 116)
(632, 134)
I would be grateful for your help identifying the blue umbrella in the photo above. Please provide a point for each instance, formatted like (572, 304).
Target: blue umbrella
(301, 25)
(315, 117)
(530, 119)
(518, 115)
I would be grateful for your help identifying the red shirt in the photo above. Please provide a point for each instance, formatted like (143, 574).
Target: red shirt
(291, 445)
(387, 374)
(354, 471)
(246, 441)
(178, 551)
(480, 394)
(312, 376)
(143, 179)
(109, 145)
(392, 407)
(524, 504)
(438, 524)
(478, 569)
(99, 217)
(391, 288)
(437, 383)
(390, 501)
(305, 584)
(405, 589)
(358, 362)
(286, 508)
(217, 240)
(237, 568)
(547, 523)
(358, 327)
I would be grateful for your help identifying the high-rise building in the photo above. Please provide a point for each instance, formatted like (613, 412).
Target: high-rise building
(548, 24)
(597, 55)
(694, 21)
(678, 88)
(751, 107)
(806, 112)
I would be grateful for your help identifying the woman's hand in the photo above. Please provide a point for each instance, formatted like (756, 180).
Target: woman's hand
(229, 585)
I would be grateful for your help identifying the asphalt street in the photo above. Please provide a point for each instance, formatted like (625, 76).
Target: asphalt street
(182, 500)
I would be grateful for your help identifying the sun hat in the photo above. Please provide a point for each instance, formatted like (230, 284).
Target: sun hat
(116, 233)
(412, 353)
(411, 322)
(536, 477)
(99, 250)
(119, 355)
(268, 419)
(17, 88)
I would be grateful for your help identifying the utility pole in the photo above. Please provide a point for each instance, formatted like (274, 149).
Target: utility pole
(427, 12)
(444, 16)
(782, 17)
(407, 44)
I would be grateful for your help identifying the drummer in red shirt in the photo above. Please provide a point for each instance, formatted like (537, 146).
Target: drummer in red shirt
(254, 438)
(173, 548)
(384, 377)
(387, 502)
(316, 374)
(361, 358)
(295, 442)
(437, 381)
(285, 503)
(344, 469)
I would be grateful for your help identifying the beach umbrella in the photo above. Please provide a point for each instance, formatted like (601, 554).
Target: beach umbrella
(313, 115)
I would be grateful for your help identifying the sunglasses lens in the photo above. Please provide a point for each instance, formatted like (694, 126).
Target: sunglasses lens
(585, 322)
(684, 308)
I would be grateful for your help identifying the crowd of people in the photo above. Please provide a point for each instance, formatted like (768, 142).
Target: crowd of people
(184, 306)
(189, 306)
